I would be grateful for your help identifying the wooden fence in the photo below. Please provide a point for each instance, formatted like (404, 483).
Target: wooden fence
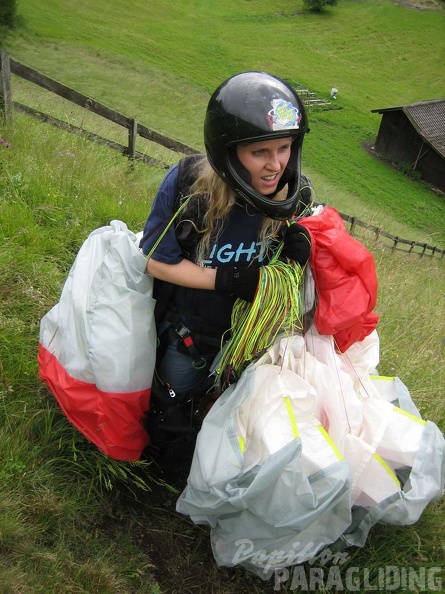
(394, 242)
(9, 66)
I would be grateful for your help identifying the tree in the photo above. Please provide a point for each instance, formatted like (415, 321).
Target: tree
(8, 10)
(318, 5)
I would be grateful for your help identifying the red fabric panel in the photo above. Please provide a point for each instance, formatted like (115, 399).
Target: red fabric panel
(345, 279)
(112, 421)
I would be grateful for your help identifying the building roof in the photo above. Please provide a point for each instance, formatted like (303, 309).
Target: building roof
(428, 118)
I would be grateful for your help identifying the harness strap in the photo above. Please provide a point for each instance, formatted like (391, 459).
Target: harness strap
(178, 329)
(184, 334)
(210, 340)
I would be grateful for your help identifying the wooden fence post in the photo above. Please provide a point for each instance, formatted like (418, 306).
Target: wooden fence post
(132, 135)
(5, 87)
(352, 228)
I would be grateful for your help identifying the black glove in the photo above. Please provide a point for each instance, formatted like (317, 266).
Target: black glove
(296, 243)
(237, 282)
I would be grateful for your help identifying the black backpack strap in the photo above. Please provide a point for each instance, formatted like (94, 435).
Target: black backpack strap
(188, 221)
(186, 177)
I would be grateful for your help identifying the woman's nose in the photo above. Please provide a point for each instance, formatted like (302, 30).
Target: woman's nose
(273, 161)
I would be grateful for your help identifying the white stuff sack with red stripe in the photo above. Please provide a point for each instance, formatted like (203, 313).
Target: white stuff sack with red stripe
(98, 344)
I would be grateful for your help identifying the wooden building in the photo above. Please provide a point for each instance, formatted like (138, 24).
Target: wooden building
(415, 135)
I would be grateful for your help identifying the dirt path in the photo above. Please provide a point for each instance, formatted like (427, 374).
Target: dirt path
(420, 4)
(178, 552)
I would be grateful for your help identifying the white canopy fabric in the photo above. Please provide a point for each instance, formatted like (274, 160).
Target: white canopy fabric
(308, 449)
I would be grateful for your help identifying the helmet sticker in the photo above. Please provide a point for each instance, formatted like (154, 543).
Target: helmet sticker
(283, 116)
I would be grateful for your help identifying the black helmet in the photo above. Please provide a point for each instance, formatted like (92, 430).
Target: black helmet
(250, 107)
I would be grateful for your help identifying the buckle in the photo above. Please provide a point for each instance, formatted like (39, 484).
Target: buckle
(185, 335)
(182, 331)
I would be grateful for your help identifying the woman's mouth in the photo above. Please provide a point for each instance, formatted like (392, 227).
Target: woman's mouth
(270, 179)
(269, 183)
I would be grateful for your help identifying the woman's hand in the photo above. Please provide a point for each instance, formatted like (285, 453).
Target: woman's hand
(237, 282)
(296, 243)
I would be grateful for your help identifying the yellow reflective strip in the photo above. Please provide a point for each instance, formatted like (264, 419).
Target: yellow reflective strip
(383, 377)
(242, 444)
(330, 441)
(409, 415)
(387, 468)
(290, 412)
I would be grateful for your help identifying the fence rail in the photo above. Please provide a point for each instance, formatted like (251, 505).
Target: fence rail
(10, 66)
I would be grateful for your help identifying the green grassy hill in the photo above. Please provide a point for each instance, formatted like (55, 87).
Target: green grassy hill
(161, 65)
(71, 520)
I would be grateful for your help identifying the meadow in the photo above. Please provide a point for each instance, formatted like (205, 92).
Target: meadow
(71, 520)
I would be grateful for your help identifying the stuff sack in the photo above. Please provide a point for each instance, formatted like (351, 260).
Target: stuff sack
(97, 346)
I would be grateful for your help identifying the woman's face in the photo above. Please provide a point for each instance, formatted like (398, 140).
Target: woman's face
(266, 161)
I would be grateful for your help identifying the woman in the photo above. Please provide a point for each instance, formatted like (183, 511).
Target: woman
(245, 188)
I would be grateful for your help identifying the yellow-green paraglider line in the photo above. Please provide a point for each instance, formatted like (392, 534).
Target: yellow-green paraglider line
(276, 308)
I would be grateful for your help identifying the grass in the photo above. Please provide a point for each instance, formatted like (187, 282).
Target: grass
(161, 72)
(72, 520)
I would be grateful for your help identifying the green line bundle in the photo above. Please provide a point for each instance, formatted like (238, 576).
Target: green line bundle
(277, 307)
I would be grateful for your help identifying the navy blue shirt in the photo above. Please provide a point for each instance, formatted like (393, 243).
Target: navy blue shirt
(236, 245)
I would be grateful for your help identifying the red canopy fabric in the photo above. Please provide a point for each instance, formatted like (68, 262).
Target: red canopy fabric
(113, 421)
(345, 280)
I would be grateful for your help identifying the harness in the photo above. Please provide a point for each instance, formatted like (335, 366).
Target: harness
(189, 342)
(167, 316)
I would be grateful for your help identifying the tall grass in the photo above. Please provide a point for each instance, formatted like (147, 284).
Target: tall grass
(56, 487)
(68, 518)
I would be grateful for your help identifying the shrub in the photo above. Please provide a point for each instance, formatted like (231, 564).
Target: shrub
(407, 170)
(8, 9)
(318, 5)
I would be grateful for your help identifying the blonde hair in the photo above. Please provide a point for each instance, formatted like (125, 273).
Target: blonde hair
(219, 199)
